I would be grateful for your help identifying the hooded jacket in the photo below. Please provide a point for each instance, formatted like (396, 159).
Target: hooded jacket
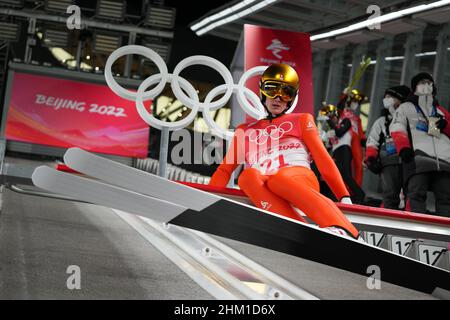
(379, 145)
(431, 153)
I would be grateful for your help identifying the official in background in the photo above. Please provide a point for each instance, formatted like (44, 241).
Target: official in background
(421, 134)
(381, 155)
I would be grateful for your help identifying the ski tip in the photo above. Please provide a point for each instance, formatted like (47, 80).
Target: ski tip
(73, 153)
(40, 175)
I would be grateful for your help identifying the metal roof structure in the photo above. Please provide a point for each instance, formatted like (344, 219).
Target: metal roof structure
(316, 17)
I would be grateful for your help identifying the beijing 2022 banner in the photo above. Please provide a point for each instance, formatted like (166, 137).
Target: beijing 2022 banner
(65, 113)
(265, 46)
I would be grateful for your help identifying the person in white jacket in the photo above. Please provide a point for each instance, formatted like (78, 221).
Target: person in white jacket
(381, 155)
(421, 135)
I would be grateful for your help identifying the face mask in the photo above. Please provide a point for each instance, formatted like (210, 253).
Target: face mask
(426, 103)
(424, 90)
(354, 106)
(388, 102)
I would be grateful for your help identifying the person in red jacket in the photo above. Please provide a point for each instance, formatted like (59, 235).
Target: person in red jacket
(341, 137)
(348, 106)
(277, 152)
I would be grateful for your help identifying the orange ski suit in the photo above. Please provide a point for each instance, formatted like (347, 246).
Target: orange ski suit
(277, 175)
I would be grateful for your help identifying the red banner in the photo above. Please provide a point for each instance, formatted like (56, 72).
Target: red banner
(66, 113)
(265, 46)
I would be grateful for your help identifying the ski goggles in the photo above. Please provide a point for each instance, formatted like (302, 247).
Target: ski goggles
(328, 110)
(274, 89)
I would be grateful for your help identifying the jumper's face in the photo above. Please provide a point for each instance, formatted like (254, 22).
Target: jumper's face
(276, 106)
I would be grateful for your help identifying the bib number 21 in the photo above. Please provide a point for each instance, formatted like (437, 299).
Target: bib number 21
(269, 165)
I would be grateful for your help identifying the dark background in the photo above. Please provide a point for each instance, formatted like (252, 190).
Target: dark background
(186, 43)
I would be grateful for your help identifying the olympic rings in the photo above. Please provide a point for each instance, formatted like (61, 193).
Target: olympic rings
(261, 136)
(247, 99)
(209, 62)
(144, 51)
(150, 119)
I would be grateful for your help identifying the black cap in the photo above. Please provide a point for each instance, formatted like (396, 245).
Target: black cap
(399, 92)
(422, 76)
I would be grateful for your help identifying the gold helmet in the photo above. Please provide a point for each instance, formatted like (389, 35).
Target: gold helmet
(328, 110)
(356, 95)
(279, 80)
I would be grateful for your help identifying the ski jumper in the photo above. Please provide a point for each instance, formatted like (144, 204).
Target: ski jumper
(277, 175)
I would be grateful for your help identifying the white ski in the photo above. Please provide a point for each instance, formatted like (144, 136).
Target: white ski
(104, 194)
(136, 180)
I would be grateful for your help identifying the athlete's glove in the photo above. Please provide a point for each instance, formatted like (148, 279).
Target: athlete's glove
(346, 200)
(373, 165)
(407, 155)
(441, 123)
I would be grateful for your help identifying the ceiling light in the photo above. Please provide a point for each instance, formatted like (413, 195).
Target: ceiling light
(221, 14)
(200, 29)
